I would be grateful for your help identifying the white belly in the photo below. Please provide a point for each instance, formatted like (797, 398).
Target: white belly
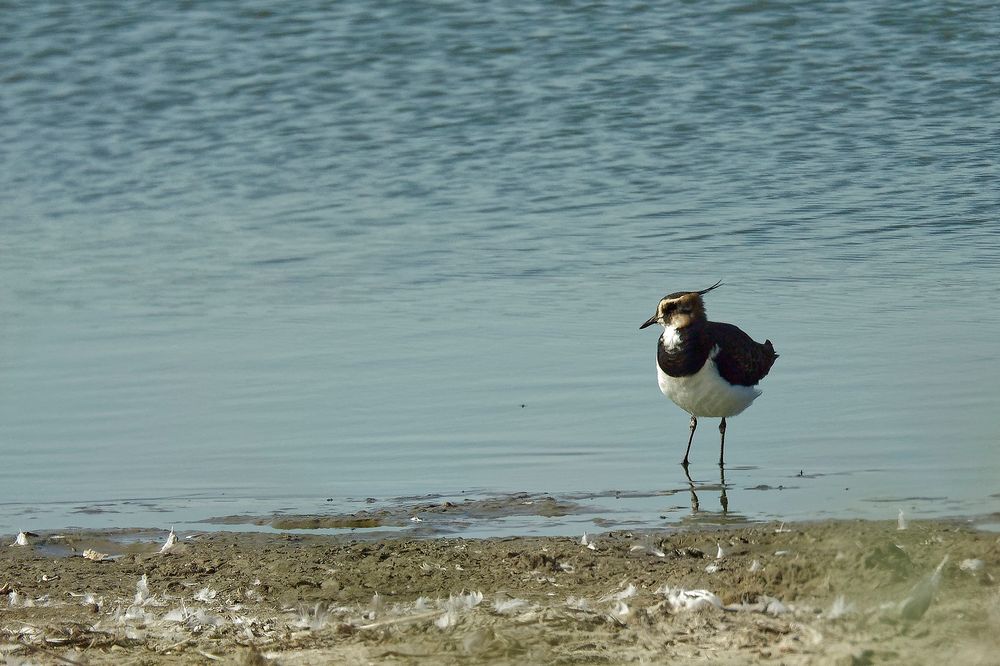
(706, 393)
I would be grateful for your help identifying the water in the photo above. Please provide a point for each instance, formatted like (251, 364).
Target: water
(255, 257)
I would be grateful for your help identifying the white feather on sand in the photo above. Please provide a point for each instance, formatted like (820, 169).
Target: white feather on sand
(840, 608)
(914, 606)
(169, 543)
(971, 565)
(93, 555)
(679, 599)
(626, 593)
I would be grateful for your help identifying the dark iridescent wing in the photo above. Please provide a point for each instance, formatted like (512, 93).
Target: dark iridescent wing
(740, 360)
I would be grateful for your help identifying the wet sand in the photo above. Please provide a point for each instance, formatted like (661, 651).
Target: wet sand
(833, 592)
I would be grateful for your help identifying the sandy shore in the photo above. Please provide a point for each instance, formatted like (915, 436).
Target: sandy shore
(832, 592)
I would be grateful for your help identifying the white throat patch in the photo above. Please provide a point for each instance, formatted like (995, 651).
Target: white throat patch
(671, 338)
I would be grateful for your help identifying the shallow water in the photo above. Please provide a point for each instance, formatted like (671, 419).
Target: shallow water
(254, 259)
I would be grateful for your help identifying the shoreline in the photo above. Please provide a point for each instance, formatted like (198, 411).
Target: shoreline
(814, 592)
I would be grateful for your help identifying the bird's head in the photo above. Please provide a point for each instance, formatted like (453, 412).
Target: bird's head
(680, 309)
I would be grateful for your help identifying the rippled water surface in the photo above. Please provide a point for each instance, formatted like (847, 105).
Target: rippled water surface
(258, 256)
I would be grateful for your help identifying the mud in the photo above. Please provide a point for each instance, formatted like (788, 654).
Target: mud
(833, 592)
(442, 515)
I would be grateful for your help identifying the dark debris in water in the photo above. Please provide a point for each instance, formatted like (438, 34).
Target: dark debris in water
(409, 513)
(323, 522)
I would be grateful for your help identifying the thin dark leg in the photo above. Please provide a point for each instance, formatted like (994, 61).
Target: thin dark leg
(693, 425)
(722, 442)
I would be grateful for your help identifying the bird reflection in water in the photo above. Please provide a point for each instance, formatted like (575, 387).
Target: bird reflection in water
(723, 498)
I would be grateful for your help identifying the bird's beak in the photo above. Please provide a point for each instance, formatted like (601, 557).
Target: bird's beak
(649, 322)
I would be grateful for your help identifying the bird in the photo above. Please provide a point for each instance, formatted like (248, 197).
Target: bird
(707, 368)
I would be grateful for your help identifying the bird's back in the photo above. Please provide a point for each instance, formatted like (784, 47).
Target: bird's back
(740, 360)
